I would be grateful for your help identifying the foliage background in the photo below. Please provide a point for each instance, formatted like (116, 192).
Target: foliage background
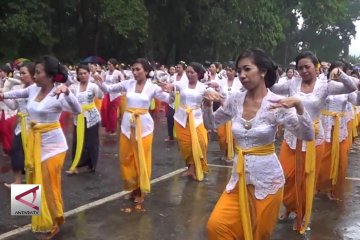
(171, 30)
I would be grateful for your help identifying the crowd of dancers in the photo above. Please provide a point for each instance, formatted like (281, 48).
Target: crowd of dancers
(248, 103)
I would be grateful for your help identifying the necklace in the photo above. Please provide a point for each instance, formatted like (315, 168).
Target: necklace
(247, 125)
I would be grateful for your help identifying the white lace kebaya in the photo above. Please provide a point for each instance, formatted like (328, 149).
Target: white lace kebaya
(19, 105)
(91, 92)
(190, 98)
(48, 110)
(314, 102)
(263, 172)
(137, 100)
(338, 104)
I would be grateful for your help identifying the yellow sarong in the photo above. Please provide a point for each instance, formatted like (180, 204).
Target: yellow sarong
(310, 159)
(335, 144)
(243, 199)
(43, 222)
(80, 133)
(196, 149)
(144, 179)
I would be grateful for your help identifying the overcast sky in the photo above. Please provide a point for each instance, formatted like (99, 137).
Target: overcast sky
(355, 43)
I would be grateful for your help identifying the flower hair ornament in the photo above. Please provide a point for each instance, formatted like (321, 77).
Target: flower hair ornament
(59, 78)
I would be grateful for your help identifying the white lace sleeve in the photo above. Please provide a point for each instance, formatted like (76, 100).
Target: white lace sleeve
(161, 95)
(97, 92)
(281, 88)
(223, 114)
(11, 103)
(354, 98)
(299, 125)
(345, 85)
(21, 93)
(70, 103)
(113, 88)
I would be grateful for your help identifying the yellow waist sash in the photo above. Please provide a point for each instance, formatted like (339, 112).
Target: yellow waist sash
(243, 199)
(23, 133)
(335, 144)
(196, 148)
(229, 140)
(177, 100)
(310, 159)
(80, 133)
(33, 171)
(144, 180)
(355, 123)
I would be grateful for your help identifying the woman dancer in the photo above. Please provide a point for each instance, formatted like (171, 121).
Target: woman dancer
(137, 128)
(85, 151)
(227, 86)
(190, 131)
(301, 160)
(46, 144)
(7, 116)
(110, 104)
(27, 71)
(337, 146)
(248, 207)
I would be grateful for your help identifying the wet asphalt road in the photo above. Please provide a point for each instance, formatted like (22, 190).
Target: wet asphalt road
(177, 207)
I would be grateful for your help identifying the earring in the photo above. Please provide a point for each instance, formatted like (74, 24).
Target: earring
(262, 75)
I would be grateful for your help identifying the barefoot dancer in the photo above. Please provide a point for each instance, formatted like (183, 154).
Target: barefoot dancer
(46, 143)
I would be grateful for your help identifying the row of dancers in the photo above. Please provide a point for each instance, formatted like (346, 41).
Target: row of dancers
(316, 113)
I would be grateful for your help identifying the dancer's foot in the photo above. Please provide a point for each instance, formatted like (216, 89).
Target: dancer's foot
(8, 185)
(72, 172)
(48, 235)
(168, 139)
(283, 214)
(189, 173)
(331, 197)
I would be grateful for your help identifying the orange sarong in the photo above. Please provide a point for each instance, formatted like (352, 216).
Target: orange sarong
(225, 222)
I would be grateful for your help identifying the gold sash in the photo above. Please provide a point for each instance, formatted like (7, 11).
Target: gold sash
(196, 148)
(243, 199)
(43, 222)
(310, 160)
(23, 132)
(335, 144)
(80, 133)
(144, 179)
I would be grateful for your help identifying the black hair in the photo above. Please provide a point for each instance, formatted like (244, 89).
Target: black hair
(309, 55)
(83, 66)
(230, 64)
(347, 66)
(198, 68)
(146, 65)
(336, 64)
(356, 73)
(113, 61)
(289, 68)
(53, 68)
(263, 62)
(30, 67)
(7, 69)
(183, 64)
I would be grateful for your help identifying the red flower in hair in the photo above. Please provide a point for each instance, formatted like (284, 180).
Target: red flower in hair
(59, 78)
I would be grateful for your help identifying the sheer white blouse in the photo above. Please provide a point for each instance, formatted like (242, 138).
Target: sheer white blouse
(47, 110)
(92, 91)
(264, 172)
(137, 100)
(313, 101)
